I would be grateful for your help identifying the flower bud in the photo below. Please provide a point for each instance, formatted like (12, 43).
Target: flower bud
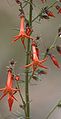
(54, 60)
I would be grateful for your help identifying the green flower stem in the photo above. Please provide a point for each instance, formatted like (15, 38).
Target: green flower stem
(53, 44)
(28, 2)
(51, 112)
(42, 10)
(24, 104)
(52, 4)
(57, 105)
(27, 62)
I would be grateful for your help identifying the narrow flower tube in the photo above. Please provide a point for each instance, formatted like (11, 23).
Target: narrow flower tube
(22, 34)
(35, 61)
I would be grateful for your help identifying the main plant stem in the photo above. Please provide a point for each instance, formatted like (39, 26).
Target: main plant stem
(27, 62)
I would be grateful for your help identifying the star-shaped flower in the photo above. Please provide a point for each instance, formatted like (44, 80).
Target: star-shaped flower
(22, 35)
(36, 62)
(9, 89)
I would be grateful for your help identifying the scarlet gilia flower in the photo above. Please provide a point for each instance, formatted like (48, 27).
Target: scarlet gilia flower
(58, 49)
(22, 35)
(36, 62)
(54, 60)
(58, 8)
(9, 89)
(50, 13)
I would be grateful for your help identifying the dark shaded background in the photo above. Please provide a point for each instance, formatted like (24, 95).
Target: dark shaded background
(47, 92)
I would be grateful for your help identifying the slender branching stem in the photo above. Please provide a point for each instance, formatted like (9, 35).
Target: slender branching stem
(27, 62)
(42, 10)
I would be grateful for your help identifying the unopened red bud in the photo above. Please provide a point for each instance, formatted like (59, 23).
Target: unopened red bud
(50, 13)
(54, 60)
(17, 77)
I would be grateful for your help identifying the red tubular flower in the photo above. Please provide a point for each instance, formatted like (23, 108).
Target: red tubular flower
(9, 90)
(50, 13)
(36, 62)
(58, 49)
(54, 60)
(22, 35)
(58, 8)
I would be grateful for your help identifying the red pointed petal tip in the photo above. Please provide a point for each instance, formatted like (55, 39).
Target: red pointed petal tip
(16, 38)
(23, 43)
(45, 67)
(27, 66)
(10, 102)
(3, 96)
